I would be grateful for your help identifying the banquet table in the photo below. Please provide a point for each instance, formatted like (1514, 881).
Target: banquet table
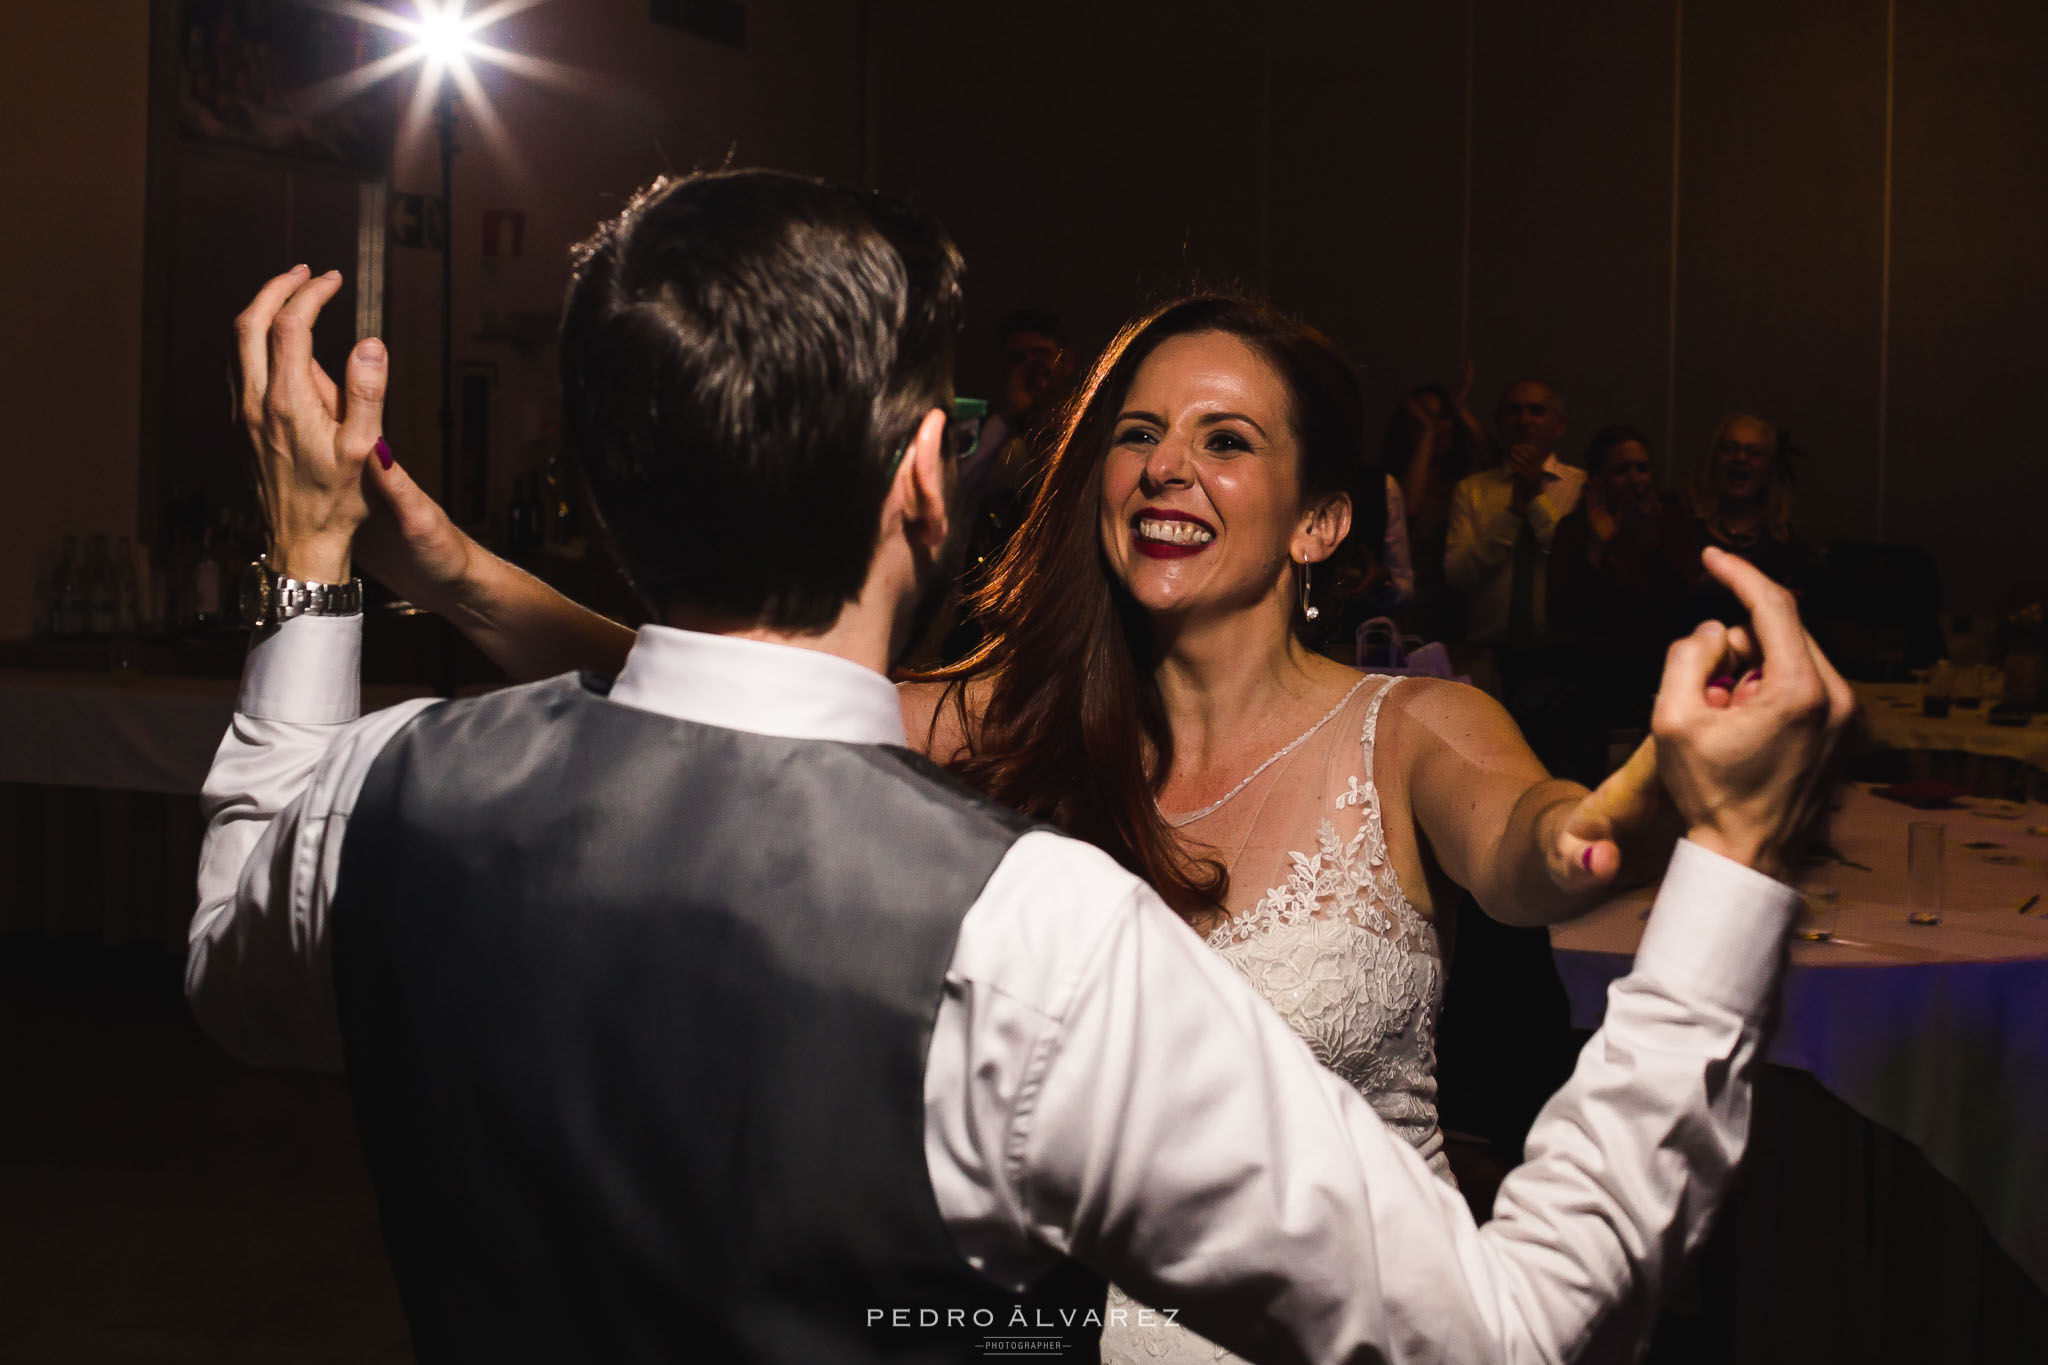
(1936, 1033)
(99, 825)
(1895, 717)
(122, 732)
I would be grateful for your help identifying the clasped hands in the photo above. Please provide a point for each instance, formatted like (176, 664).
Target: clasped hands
(1740, 756)
(314, 443)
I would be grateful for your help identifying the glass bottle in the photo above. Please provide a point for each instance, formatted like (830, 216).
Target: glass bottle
(519, 522)
(207, 582)
(67, 593)
(98, 579)
(127, 589)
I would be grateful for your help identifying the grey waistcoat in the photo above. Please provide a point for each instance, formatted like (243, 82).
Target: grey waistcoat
(636, 1013)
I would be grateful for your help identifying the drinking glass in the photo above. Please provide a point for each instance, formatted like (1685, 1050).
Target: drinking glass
(1926, 852)
(1969, 688)
(1934, 697)
(2020, 679)
(1819, 901)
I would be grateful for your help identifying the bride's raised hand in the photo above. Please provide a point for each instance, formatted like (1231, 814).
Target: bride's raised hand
(409, 543)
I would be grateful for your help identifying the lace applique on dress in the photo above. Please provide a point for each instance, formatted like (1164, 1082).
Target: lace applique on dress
(1349, 963)
(1352, 967)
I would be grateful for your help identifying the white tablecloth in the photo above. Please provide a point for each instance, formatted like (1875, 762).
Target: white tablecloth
(137, 733)
(1939, 1034)
(1895, 716)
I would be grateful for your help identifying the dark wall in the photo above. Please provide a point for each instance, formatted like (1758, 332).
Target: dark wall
(1671, 211)
(73, 119)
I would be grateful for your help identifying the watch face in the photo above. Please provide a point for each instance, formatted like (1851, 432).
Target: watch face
(256, 595)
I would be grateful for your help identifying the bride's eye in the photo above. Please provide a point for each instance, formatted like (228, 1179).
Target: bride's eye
(1227, 442)
(1135, 436)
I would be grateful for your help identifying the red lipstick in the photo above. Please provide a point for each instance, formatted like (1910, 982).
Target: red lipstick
(1169, 549)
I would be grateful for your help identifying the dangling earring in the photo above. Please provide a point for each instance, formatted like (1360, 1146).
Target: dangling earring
(1308, 610)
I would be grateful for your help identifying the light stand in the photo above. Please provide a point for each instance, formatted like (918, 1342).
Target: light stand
(444, 124)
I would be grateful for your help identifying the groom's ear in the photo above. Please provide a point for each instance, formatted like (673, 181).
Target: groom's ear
(923, 485)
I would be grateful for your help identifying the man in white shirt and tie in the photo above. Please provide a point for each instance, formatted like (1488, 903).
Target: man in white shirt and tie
(1502, 519)
(689, 1017)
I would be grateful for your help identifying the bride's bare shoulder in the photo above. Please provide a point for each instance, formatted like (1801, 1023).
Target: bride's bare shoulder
(1444, 709)
(940, 718)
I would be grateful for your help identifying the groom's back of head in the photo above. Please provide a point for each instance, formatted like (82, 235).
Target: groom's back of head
(742, 354)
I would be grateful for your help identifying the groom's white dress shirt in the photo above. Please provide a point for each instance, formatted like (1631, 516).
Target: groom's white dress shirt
(1100, 1083)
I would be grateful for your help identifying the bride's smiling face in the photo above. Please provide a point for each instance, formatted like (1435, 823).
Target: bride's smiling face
(1201, 488)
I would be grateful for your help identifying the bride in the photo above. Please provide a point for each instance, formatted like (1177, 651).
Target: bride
(1145, 686)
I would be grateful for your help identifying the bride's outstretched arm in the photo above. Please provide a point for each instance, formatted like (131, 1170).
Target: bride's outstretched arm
(1532, 849)
(520, 623)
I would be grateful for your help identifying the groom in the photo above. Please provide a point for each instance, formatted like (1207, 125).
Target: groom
(688, 1017)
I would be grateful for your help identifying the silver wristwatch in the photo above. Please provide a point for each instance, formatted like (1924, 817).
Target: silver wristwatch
(268, 598)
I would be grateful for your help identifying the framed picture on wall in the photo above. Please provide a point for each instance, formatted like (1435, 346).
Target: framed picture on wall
(272, 76)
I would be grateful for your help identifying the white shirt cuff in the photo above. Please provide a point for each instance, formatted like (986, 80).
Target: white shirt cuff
(1717, 931)
(307, 672)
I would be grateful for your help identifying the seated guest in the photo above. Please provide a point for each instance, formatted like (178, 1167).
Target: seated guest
(1618, 585)
(1742, 501)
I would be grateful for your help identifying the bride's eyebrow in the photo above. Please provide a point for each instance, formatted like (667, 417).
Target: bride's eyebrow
(1136, 416)
(1211, 418)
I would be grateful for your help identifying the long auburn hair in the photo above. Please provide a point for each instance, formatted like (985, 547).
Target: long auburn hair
(1074, 731)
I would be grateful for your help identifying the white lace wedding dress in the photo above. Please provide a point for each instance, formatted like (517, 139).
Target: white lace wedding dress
(1332, 942)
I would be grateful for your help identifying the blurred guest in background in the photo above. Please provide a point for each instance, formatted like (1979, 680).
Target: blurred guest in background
(1033, 372)
(1741, 499)
(1502, 520)
(1620, 567)
(1507, 1040)
(1618, 561)
(1371, 572)
(1432, 441)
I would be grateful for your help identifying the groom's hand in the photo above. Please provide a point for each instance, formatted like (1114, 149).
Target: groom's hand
(1747, 764)
(310, 441)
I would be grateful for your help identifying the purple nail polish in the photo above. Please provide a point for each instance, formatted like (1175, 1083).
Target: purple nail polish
(383, 454)
(1586, 859)
(1722, 680)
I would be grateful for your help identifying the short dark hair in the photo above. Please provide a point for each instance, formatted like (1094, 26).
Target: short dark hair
(742, 355)
(1606, 439)
(1031, 320)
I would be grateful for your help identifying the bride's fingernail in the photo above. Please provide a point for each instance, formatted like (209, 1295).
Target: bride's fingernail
(1724, 680)
(383, 454)
(1586, 860)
